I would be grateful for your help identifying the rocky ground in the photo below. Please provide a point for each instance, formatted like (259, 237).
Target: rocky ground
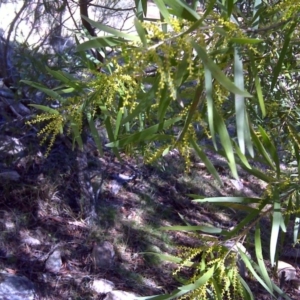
(48, 250)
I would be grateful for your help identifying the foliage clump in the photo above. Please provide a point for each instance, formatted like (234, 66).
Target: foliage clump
(232, 61)
(213, 273)
(124, 90)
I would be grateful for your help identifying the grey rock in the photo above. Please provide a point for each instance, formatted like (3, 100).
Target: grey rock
(115, 187)
(11, 145)
(236, 247)
(10, 175)
(103, 255)
(238, 185)
(102, 286)
(122, 178)
(54, 262)
(286, 270)
(120, 295)
(16, 288)
(28, 239)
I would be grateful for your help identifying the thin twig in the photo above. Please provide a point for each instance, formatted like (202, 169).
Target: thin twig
(112, 8)
(11, 28)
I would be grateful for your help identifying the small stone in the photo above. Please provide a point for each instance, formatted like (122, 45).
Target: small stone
(286, 270)
(10, 175)
(9, 225)
(16, 287)
(236, 246)
(29, 240)
(238, 185)
(120, 295)
(10, 145)
(103, 255)
(115, 187)
(54, 262)
(102, 286)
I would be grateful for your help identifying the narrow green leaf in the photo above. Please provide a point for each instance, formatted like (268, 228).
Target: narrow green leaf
(297, 220)
(281, 293)
(229, 8)
(170, 258)
(118, 123)
(163, 9)
(164, 103)
(143, 135)
(239, 100)
(111, 30)
(242, 157)
(67, 91)
(66, 78)
(99, 42)
(247, 292)
(256, 13)
(177, 293)
(51, 93)
(297, 155)
(45, 109)
(260, 260)
(220, 200)
(217, 73)
(226, 142)
(209, 7)
(141, 118)
(251, 269)
(84, 57)
(182, 70)
(217, 289)
(199, 282)
(271, 149)
(144, 104)
(144, 6)
(240, 226)
(257, 85)
(109, 129)
(295, 135)
(283, 52)
(182, 10)
(141, 9)
(286, 219)
(210, 167)
(248, 140)
(276, 223)
(76, 133)
(206, 229)
(192, 109)
(141, 32)
(235, 206)
(210, 104)
(261, 149)
(260, 96)
(245, 41)
(126, 125)
(110, 134)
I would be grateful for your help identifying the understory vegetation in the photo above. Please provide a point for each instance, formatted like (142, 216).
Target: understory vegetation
(220, 81)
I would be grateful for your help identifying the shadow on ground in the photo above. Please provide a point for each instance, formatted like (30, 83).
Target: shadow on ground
(40, 212)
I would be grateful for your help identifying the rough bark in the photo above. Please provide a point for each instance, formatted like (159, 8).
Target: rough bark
(83, 5)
